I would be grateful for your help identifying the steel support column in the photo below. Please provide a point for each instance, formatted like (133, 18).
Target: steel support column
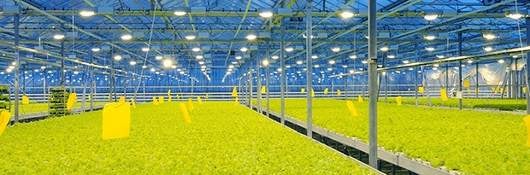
(527, 66)
(460, 72)
(16, 19)
(309, 67)
(372, 83)
(282, 76)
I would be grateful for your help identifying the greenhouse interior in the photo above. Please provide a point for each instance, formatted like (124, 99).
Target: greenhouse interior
(435, 87)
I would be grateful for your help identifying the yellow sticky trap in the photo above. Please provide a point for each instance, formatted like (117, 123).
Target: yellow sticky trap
(185, 113)
(116, 121)
(25, 100)
(443, 94)
(206, 96)
(326, 91)
(155, 101)
(199, 99)
(72, 99)
(524, 90)
(527, 123)
(421, 89)
(263, 90)
(161, 99)
(169, 97)
(236, 99)
(399, 100)
(312, 93)
(467, 84)
(234, 92)
(302, 90)
(5, 116)
(338, 92)
(352, 109)
(122, 99)
(360, 99)
(189, 105)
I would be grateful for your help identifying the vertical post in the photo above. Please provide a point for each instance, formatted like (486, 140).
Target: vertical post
(460, 71)
(92, 82)
(267, 93)
(259, 85)
(416, 84)
(250, 88)
(282, 77)
(477, 74)
(527, 67)
(372, 83)
(309, 67)
(16, 19)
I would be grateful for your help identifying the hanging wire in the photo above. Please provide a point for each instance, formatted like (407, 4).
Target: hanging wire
(146, 53)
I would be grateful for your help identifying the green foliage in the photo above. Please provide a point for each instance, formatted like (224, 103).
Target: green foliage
(479, 103)
(223, 138)
(468, 141)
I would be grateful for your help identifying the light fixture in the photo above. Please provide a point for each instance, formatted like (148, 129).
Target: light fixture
(203, 67)
(430, 17)
(275, 57)
(489, 36)
(117, 57)
(145, 49)
(167, 63)
(314, 56)
(238, 57)
(488, 48)
(126, 37)
(469, 61)
(364, 61)
(391, 56)
(514, 15)
(500, 61)
(316, 66)
(95, 49)
(180, 12)
(299, 62)
(440, 56)
(144, 67)
(43, 67)
(152, 69)
(230, 66)
(346, 14)
(87, 13)
(430, 49)
(199, 57)
(435, 65)
(158, 57)
(353, 57)
(173, 66)
(266, 13)
(331, 62)
(196, 49)
(244, 49)
(58, 36)
(132, 63)
(335, 49)
(190, 37)
(265, 62)
(384, 49)
(251, 37)
(406, 61)
(429, 37)
(201, 62)
(289, 49)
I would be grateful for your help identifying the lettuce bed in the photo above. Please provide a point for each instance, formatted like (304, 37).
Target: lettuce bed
(468, 141)
(223, 138)
(483, 103)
